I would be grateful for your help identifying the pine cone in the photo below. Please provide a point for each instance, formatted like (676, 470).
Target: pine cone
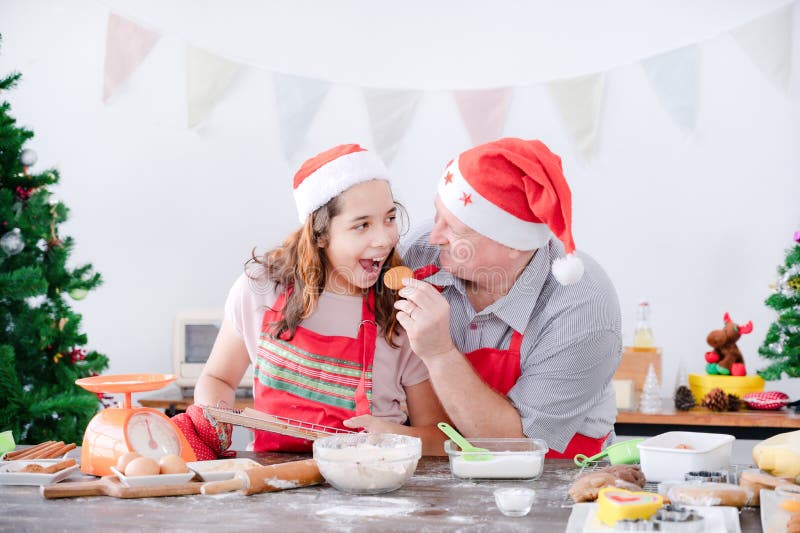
(734, 402)
(684, 399)
(716, 400)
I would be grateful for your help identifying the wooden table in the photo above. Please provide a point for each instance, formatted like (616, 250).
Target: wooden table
(757, 425)
(432, 500)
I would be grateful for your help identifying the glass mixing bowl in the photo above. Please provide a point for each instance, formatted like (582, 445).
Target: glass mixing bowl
(367, 463)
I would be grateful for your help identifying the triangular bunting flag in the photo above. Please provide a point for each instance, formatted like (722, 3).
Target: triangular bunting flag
(767, 41)
(207, 78)
(484, 112)
(297, 102)
(579, 102)
(674, 77)
(390, 113)
(127, 44)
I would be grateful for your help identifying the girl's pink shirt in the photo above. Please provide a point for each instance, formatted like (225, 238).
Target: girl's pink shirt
(339, 315)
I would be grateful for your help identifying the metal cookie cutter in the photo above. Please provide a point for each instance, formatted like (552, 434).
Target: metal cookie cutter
(676, 518)
(707, 476)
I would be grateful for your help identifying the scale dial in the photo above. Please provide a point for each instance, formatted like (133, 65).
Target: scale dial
(152, 435)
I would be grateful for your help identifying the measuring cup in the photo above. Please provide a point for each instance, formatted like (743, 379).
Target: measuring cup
(469, 452)
(621, 453)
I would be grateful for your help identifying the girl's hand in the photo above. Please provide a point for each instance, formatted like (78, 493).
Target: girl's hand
(371, 424)
(425, 316)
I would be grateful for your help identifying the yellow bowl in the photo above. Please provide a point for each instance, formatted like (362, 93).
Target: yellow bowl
(701, 384)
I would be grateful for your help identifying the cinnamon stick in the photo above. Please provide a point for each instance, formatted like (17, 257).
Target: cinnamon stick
(62, 451)
(52, 469)
(57, 452)
(38, 454)
(66, 463)
(17, 454)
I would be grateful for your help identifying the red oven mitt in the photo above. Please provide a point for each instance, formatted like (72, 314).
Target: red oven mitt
(209, 440)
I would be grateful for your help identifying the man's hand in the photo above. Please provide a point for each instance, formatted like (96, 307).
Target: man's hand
(425, 315)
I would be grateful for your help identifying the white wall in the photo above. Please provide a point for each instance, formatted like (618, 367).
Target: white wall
(168, 215)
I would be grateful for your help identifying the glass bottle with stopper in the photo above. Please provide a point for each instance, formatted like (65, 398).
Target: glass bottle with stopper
(643, 335)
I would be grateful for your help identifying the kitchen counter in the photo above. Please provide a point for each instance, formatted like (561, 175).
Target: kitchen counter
(431, 500)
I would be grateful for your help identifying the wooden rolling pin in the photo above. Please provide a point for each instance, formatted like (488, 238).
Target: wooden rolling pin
(292, 475)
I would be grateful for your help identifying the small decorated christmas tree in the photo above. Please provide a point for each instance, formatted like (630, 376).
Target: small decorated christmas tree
(41, 344)
(782, 343)
(650, 402)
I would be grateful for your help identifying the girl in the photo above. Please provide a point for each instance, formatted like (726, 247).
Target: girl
(315, 319)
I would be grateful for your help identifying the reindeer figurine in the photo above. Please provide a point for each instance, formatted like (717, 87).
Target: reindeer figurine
(726, 359)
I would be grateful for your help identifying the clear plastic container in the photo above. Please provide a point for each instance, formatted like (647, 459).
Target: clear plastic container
(367, 463)
(506, 459)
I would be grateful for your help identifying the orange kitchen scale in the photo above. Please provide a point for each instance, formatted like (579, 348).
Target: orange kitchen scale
(117, 430)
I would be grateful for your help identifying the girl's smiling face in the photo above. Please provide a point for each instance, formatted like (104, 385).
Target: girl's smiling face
(360, 237)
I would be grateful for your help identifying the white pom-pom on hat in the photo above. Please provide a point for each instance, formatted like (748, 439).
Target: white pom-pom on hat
(568, 270)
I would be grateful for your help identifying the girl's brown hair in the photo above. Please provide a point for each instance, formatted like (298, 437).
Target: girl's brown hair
(300, 263)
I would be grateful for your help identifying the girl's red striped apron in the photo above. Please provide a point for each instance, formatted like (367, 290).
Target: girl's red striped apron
(314, 378)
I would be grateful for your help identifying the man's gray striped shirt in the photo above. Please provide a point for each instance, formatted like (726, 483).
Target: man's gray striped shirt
(571, 340)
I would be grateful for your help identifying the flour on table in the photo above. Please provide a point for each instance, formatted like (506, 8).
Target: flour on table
(280, 483)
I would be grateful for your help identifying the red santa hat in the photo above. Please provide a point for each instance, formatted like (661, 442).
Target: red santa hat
(514, 192)
(332, 172)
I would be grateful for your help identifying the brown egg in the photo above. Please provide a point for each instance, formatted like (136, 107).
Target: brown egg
(394, 277)
(142, 466)
(172, 464)
(124, 459)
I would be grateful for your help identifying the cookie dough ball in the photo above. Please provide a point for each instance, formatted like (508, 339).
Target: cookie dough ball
(629, 473)
(587, 487)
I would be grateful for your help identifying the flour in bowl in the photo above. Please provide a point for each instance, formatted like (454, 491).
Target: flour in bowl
(367, 464)
(517, 466)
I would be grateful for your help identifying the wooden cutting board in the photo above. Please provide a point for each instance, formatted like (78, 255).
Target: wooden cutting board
(111, 486)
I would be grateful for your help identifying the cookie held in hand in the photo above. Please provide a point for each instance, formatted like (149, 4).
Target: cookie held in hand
(393, 278)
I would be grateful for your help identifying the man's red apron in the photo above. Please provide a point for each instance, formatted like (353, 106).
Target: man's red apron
(500, 369)
(314, 378)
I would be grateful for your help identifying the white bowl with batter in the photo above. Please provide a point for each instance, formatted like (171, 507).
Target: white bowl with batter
(367, 463)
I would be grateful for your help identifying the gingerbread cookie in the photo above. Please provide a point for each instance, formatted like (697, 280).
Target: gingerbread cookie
(393, 278)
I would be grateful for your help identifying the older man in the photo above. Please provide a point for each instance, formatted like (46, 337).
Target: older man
(520, 335)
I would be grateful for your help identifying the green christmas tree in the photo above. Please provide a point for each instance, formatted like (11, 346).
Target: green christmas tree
(782, 344)
(41, 352)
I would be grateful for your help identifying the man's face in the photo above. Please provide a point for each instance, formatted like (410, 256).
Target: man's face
(469, 255)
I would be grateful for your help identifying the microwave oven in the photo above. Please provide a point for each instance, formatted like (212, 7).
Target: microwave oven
(193, 337)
